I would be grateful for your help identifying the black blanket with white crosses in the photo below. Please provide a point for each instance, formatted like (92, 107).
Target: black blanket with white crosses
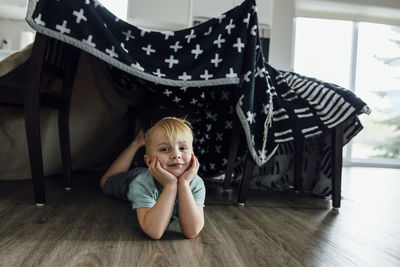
(217, 68)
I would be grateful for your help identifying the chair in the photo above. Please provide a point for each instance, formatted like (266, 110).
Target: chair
(25, 86)
(336, 163)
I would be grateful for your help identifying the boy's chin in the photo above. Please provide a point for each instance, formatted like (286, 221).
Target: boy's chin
(176, 173)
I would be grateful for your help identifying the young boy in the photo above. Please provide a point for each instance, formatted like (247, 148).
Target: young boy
(170, 185)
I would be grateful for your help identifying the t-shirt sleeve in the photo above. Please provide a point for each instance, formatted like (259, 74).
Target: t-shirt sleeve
(142, 196)
(198, 190)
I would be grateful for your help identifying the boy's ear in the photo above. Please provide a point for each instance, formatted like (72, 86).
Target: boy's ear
(147, 160)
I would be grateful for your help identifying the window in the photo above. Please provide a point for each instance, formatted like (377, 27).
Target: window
(365, 58)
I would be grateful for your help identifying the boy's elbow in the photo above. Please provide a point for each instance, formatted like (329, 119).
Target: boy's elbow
(156, 235)
(192, 233)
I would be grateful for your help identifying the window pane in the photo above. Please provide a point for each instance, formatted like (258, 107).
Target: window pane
(323, 49)
(378, 84)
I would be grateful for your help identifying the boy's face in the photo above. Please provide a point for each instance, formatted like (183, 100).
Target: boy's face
(174, 155)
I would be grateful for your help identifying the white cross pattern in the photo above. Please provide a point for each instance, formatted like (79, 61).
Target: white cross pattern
(63, 28)
(219, 41)
(246, 76)
(167, 92)
(123, 48)
(251, 117)
(171, 61)
(216, 60)
(184, 77)
(230, 26)
(89, 42)
(260, 72)
(128, 35)
(194, 101)
(143, 31)
(209, 31)
(79, 16)
(231, 74)
(239, 45)
(228, 124)
(255, 10)
(183, 89)
(190, 36)
(168, 34)
(221, 17)
(148, 49)
(225, 95)
(264, 109)
(176, 99)
(176, 46)
(218, 149)
(111, 52)
(254, 30)
(97, 3)
(39, 20)
(197, 51)
(206, 76)
(247, 20)
(159, 74)
(219, 137)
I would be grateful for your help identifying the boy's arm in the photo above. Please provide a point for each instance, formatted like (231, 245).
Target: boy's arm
(155, 221)
(124, 160)
(191, 215)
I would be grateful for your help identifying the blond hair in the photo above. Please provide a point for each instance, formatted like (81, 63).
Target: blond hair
(173, 128)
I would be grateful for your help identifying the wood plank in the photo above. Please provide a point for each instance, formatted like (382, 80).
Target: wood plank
(84, 228)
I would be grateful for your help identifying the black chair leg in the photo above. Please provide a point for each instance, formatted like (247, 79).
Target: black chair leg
(337, 161)
(63, 130)
(233, 150)
(298, 159)
(32, 125)
(247, 174)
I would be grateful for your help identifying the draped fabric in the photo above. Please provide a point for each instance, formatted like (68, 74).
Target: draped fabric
(216, 68)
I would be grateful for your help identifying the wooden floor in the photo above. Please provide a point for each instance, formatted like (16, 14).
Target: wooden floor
(83, 228)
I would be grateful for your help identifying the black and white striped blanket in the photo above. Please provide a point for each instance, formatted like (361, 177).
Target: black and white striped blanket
(216, 67)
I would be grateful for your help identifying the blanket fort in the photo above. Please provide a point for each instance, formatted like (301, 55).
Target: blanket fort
(203, 66)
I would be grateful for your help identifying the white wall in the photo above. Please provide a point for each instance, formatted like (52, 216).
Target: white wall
(161, 15)
(12, 14)
(213, 8)
(11, 30)
(282, 35)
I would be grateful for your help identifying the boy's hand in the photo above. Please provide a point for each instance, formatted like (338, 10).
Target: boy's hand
(191, 172)
(160, 174)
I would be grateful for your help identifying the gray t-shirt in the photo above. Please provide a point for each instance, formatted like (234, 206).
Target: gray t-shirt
(144, 192)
